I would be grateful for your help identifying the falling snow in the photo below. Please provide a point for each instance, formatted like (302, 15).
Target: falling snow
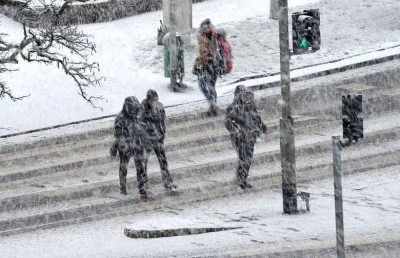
(199, 172)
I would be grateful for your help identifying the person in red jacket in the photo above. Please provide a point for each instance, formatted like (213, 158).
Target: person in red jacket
(204, 66)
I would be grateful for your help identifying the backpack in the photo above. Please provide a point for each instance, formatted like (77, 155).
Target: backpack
(226, 48)
(222, 52)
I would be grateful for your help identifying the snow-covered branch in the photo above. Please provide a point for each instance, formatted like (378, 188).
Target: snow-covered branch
(64, 46)
(4, 90)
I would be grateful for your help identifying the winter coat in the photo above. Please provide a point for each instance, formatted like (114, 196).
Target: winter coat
(154, 119)
(205, 37)
(204, 50)
(242, 119)
(128, 129)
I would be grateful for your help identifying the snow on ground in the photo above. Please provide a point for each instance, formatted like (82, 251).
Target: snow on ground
(371, 214)
(255, 41)
(132, 62)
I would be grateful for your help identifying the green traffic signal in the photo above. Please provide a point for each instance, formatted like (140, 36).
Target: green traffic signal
(303, 42)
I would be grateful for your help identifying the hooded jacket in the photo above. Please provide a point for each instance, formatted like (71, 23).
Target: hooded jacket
(154, 119)
(242, 119)
(128, 129)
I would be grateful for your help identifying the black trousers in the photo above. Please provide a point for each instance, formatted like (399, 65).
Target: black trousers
(245, 150)
(207, 81)
(159, 150)
(139, 158)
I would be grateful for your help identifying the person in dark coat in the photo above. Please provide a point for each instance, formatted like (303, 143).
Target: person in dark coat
(154, 118)
(131, 137)
(244, 125)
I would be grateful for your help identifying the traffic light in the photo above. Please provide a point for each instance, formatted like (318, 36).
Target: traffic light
(352, 125)
(306, 33)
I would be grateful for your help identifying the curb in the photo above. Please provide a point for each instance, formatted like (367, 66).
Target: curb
(173, 232)
(314, 65)
(328, 72)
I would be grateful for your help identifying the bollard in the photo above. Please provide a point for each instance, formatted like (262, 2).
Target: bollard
(337, 176)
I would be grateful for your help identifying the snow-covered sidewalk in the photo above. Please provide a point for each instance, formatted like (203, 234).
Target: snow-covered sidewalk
(132, 63)
(371, 214)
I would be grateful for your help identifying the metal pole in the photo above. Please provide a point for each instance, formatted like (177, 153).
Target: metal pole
(288, 160)
(274, 9)
(190, 10)
(337, 175)
(172, 40)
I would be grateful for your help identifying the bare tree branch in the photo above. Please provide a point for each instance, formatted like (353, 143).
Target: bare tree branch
(4, 90)
(51, 44)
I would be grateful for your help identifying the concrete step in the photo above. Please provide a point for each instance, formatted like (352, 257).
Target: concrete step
(198, 132)
(62, 159)
(88, 179)
(72, 179)
(109, 204)
(86, 182)
(188, 123)
(87, 173)
(59, 158)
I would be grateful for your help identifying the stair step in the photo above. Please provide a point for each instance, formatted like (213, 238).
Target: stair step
(193, 190)
(315, 154)
(47, 164)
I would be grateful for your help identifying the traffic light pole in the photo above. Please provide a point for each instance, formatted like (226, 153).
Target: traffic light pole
(172, 40)
(288, 159)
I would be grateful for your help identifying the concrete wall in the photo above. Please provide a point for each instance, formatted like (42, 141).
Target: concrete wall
(88, 13)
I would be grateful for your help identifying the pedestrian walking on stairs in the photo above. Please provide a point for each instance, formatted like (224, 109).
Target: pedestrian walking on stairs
(131, 139)
(244, 125)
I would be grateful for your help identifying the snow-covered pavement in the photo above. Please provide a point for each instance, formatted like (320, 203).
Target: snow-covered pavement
(371, 214)
(132, 63)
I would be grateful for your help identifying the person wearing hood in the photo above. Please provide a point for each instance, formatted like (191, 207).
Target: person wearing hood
(244, 125)
(154, 118)
(131, 137)
(204, 66)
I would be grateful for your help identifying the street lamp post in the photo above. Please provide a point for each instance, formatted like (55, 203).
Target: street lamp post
(287, 143)
(172, 40)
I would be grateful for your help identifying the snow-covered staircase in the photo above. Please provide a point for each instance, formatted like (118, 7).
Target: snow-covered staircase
(73, 180)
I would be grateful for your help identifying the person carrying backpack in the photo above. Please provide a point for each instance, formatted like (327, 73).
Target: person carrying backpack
(212, 61)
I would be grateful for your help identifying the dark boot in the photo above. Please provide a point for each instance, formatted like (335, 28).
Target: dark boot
(123, 191)
(242, 186)
(143, 194)
(170, 186)
(213, 110)
(248, 185)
